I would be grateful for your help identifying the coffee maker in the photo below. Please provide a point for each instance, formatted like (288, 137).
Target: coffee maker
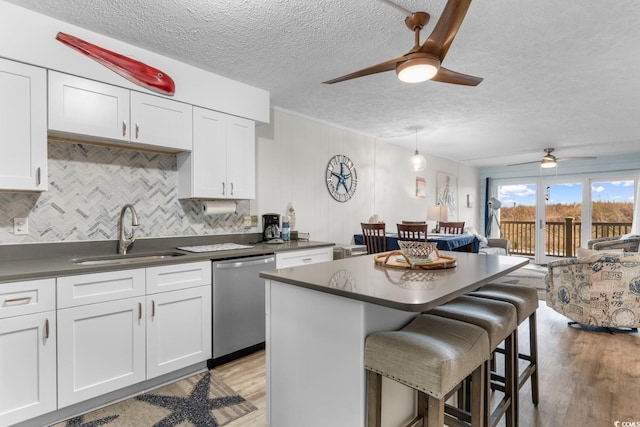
(270, 227)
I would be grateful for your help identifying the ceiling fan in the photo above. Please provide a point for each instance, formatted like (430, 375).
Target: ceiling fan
(551, 161)
(422, 62)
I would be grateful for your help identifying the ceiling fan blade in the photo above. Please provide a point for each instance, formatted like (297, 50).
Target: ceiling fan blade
(446, 29)
(525, 163)
(445, 75)
(560, 159)
(374, 69)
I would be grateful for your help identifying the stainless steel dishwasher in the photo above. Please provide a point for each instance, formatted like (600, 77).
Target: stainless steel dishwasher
(238, 307)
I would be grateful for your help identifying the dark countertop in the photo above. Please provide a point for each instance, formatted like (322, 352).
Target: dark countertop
(408, 290)
(33, 261)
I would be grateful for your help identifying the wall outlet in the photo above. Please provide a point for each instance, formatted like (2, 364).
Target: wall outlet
(247, 221)
(20, 226)
(254, 220)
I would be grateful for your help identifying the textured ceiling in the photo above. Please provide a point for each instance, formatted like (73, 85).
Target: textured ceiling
(563, 74)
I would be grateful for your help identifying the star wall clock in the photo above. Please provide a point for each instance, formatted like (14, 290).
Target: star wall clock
(342, 178)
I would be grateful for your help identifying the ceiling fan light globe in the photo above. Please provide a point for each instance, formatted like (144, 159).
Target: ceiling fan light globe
(418, 70)
(417, 162)
(548, 163)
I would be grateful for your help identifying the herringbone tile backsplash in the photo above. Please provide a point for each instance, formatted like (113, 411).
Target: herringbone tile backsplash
(88, 185)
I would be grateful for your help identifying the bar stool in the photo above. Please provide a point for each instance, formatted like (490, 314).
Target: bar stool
(431, 355)
(525, 301)
(499, 320)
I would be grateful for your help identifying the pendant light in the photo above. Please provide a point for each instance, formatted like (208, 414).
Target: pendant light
(417, 162)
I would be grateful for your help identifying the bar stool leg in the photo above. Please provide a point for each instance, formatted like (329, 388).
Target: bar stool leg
(533, 340)
(479, 400)
(374, 399)
(435, 411)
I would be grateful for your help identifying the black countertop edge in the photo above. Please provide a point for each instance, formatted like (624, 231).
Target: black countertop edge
(36, 261)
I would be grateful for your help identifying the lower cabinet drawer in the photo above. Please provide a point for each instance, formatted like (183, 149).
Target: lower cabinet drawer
(302, 257)
(27, 297)
(100, 287)
(178, 276)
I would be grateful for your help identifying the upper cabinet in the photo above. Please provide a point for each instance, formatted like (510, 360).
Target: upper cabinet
(96, 111)
(23, 127)
(222, 162)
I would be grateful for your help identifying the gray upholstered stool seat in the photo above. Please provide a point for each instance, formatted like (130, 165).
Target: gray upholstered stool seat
(499, 319)
(431, 355)
(525, 301)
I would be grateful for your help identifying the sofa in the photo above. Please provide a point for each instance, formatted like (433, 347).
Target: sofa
(627, 242)
(490, 246)
(494, 247)
(601, 289)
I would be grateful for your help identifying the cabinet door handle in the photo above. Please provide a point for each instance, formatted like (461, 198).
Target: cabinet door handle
(38, 176)
(231, 184)
(46, 328)
(124, 128)
(223, 189)
(307, 259)
(139, 311)
(153, 308)
(19, 299)
(137, 130)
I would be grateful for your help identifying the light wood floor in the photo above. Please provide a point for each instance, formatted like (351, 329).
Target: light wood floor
(587, 378)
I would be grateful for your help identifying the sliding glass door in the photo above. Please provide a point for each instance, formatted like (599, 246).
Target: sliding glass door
(562, 212)
(518, 216)
(548, 219)
(611, 207)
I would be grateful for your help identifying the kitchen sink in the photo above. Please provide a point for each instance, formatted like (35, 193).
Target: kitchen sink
(124, 259)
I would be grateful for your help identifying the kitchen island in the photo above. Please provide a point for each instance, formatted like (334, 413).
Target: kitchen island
(318, 317)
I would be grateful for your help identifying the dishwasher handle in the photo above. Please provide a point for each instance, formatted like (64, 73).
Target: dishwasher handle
(248, 263)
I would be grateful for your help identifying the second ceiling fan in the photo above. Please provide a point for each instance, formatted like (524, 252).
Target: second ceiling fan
(423, 62)
(551, 161)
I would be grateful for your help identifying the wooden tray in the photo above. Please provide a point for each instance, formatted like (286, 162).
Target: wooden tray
(388, 260)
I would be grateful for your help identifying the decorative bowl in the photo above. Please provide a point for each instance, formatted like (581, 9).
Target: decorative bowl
(418, 250)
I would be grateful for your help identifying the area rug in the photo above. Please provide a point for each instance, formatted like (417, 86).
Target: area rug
(202, 400)
(531, 276)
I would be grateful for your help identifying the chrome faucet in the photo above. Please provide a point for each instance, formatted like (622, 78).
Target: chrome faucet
(125, 241)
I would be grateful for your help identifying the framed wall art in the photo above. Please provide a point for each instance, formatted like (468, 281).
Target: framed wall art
(447, 192)
(421, 187)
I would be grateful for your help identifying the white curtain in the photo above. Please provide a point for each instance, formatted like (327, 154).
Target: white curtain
(635, 225)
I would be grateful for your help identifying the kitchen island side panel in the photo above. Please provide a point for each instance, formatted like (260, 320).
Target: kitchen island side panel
(315, 354)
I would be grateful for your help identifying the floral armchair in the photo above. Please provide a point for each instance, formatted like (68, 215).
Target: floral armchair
(598, 290)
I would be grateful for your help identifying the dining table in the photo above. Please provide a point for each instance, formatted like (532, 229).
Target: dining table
(444, 242)
(319, 315)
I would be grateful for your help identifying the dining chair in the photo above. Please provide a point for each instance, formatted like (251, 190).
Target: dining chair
(412, 232)
(374, 237)
(414, 222)
(451, 227)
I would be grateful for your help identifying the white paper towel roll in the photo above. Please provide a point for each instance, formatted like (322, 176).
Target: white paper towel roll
(218, 207)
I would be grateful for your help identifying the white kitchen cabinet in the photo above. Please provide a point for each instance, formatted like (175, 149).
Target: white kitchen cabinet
(303, 257)
(178, 316)
(101, 348)
(118, 328)
(28, 350)
(178, 329)
(222, 162)
(99, 112)
(23, 129)
(161, 122)
(101, 333)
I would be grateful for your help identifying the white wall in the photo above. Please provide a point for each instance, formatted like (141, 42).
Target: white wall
(293, 152)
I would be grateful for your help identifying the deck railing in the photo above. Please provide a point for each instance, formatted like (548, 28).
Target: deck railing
(562, 238)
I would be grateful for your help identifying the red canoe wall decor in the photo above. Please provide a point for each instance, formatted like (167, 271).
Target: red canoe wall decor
(132, 70)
